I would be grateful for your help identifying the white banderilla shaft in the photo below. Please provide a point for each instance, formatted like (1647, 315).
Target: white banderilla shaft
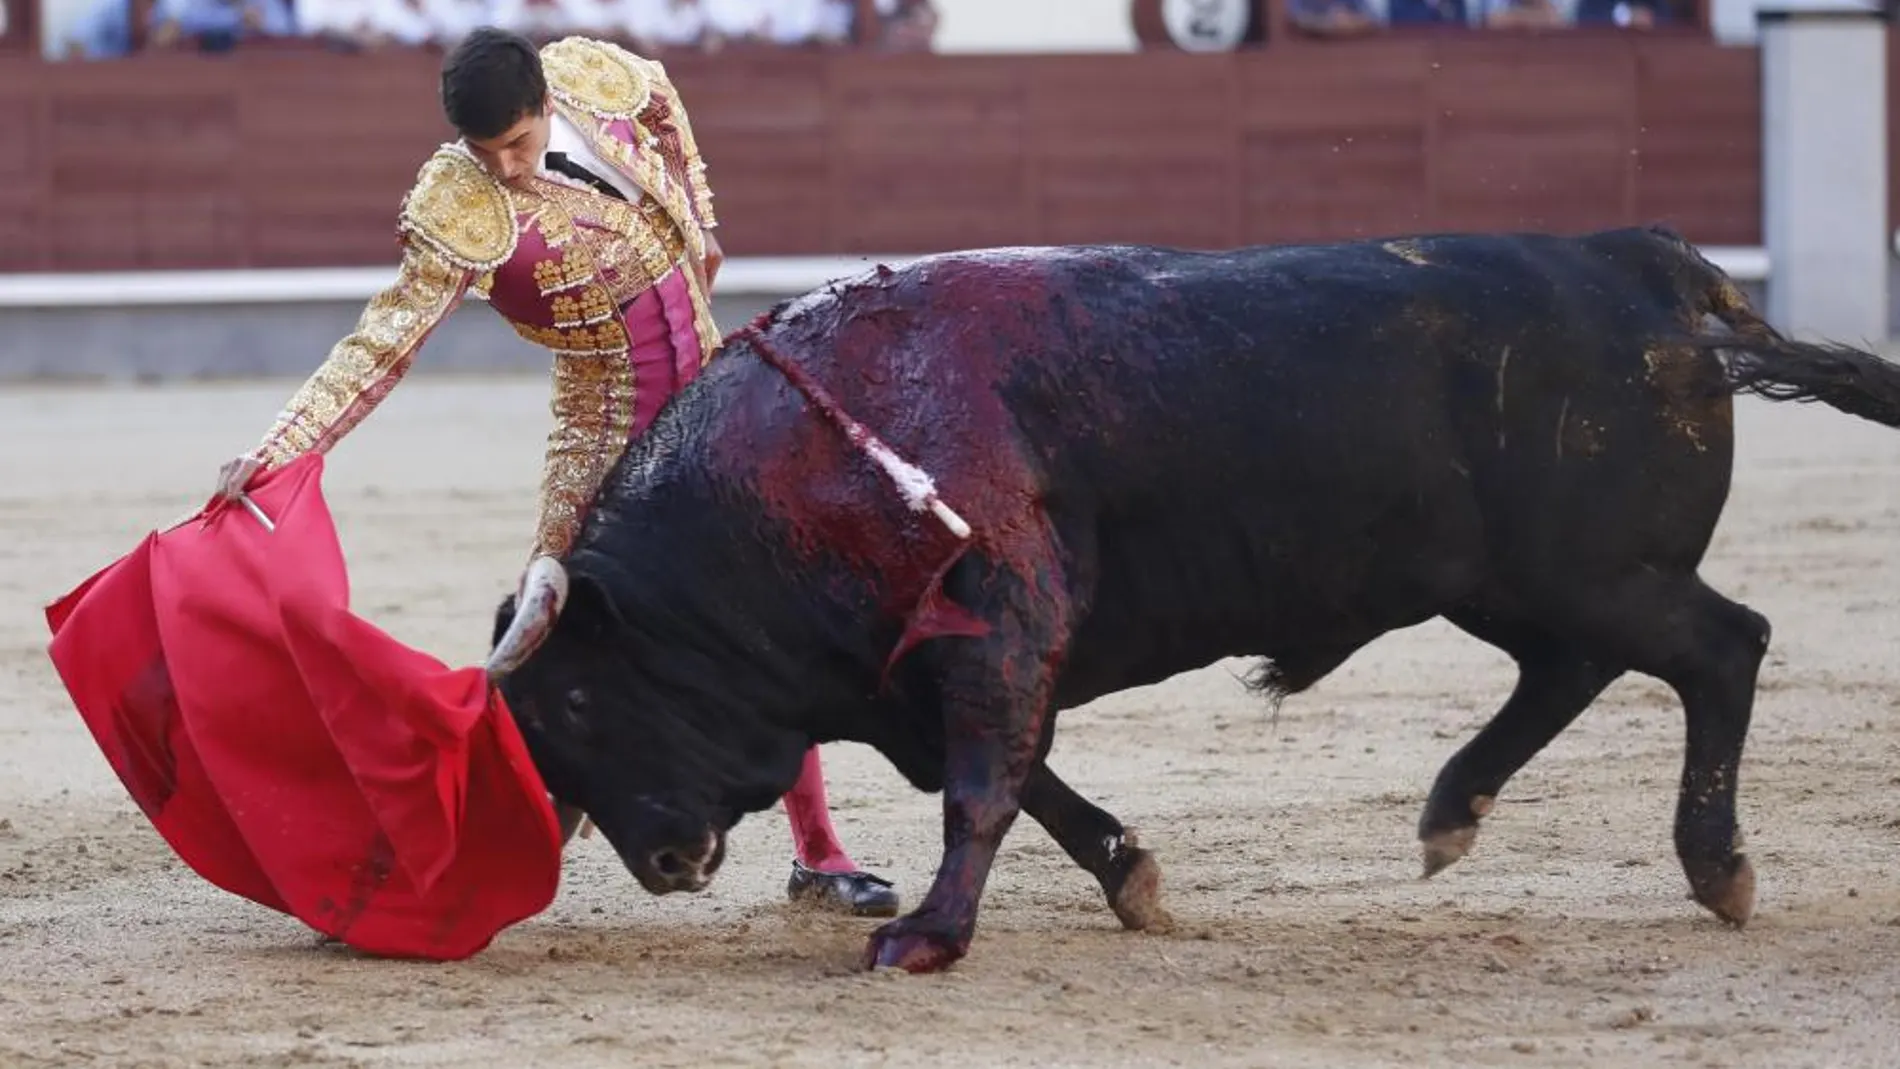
(919, 491)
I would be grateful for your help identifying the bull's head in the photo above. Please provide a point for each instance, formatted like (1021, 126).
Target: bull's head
(662, 778)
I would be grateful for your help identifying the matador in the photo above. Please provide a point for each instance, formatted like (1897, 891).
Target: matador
(575, 203)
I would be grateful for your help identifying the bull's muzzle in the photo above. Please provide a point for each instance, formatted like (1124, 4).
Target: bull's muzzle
(672, 869)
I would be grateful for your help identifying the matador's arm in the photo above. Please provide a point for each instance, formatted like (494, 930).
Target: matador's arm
(456, 223)
(687, 149)
(363, 367)
(593, 415)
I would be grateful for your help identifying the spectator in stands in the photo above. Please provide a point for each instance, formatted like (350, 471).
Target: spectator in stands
(452, 20)
(1332, 18)
(792, 23)
(537, 20)
(103, 32)
(359, 24)
(659, 25)
(1630, 14)
(547, 20)
(905, 25)
(592, 18)
(218, 25)
(1426, 13)
(1520, 14)
(732, 21)
(1494, 14)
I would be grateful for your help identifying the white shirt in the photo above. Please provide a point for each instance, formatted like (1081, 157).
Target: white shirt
(564, 137)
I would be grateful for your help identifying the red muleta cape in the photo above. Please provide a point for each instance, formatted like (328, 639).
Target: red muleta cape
(291, 752)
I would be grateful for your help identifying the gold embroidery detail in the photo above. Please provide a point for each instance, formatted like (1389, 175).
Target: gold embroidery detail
(704, 324)
(643, 243)
(458, 209)
(596, 306)
(598, 78)
(649, 170)
(597, 339)
(557, 229)
(362, 368)
(639, 243)
(576, 204)
(563, 271)
(691, 162)
(592, 306)
(644, 163)
(593, 415)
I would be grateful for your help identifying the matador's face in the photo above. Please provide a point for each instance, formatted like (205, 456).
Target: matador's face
(514, 155)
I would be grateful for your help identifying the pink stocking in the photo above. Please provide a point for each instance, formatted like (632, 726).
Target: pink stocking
(812, 834)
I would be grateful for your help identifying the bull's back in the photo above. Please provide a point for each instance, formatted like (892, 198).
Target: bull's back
(1240, 450)
(1397, 340)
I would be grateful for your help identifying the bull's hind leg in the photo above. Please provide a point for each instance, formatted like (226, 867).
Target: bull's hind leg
(1556, 681)
(1709, 650)
(994, 694)
(1095, 840)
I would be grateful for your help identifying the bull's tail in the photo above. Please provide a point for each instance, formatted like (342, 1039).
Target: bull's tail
(1759, 360)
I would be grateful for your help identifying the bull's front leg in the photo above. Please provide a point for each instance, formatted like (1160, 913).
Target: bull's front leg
(995, 697)
(990, 746)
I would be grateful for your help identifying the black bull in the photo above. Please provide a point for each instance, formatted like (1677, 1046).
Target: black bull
(1167, 458)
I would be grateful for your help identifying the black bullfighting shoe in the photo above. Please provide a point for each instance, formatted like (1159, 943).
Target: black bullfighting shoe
(860, 894)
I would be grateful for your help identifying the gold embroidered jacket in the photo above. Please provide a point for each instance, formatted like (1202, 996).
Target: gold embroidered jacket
(555, 259)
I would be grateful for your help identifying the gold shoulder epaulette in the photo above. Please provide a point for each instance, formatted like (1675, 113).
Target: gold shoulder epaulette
(601, 79)
(458, 209)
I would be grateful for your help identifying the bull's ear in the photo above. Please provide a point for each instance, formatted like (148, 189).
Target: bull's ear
(590, 608)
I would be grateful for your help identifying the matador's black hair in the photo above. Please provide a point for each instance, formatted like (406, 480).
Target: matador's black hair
(490, 80)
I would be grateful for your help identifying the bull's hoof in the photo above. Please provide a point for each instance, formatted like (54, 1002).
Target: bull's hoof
(1724, 888)
(1137, 901)
(1444, 835)
(1441, 849)
(913, 945)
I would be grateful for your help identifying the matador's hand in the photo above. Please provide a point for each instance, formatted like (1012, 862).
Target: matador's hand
(715, 258)
(236, 475)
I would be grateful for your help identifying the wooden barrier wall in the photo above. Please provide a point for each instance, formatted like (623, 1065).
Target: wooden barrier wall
(296, 158)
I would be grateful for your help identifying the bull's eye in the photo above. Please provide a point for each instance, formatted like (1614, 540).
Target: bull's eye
(574, 712)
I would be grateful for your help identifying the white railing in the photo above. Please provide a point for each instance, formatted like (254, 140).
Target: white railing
(747, 276)
(762, 276)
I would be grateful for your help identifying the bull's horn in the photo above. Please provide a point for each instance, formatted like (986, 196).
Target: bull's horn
(542, 595)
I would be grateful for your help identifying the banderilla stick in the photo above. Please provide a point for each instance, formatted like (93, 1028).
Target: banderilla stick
(916, 486)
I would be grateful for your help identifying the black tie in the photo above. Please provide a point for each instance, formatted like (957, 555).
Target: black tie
(558, 161)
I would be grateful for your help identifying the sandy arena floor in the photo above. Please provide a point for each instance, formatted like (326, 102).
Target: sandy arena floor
(1306, 937)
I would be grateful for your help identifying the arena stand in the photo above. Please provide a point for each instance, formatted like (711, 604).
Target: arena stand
(112, 29)
(269, 176)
